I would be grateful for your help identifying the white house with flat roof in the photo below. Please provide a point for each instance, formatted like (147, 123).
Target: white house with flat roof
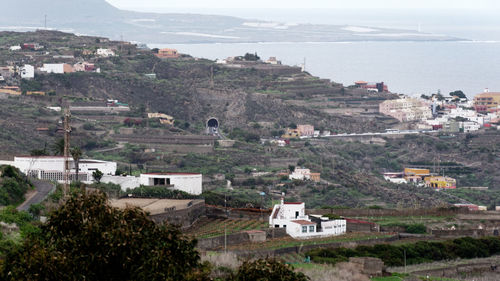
(291, 215)
(187, 182)
(27, 72)
(52, 167)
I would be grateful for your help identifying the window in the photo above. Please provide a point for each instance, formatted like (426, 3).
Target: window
(304, 229)
(311, 228)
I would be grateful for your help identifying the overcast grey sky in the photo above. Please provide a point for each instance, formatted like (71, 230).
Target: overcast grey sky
(396, 4)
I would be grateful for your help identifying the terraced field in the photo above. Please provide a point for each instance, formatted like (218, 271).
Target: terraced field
(290, 242)
(206, 228)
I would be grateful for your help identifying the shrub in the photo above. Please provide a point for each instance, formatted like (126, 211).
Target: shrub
(416, 228)
(86, 239)
(267, 270)
(420, 252)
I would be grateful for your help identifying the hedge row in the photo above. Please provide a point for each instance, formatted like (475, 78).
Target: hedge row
(420, 252)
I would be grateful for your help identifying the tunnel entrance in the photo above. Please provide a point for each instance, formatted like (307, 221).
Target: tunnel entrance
(213, 126)
(212, 122)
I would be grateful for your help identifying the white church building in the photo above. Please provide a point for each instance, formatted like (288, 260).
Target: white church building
(291, 215)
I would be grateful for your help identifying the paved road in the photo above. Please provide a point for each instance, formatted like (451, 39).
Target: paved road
(43, 189)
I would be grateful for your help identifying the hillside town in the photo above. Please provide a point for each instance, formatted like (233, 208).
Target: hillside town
(276, 163)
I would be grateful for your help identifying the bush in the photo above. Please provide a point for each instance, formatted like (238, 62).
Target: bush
(416, 228)
(13, 185)
(267, 270)
(86, 239)
(420, 252)
(159, 192)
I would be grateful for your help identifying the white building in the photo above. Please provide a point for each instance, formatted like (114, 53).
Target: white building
(397, 178)
(58, 68)
(52, 167)
(27, 72)
(105, 52)
(300, 174)
(15, 48)
(298, 225)
(187, 182)
(470, 126)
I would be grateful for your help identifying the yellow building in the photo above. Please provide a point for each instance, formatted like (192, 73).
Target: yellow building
(416, 175)
(440, 182)
(417, 172)
(291, 134)
(167, 53)
(315, 177)
(164, 118)
(10, 92)
(487, 101)
(35, 93)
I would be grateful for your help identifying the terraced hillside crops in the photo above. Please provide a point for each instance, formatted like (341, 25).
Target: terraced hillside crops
(207, 228)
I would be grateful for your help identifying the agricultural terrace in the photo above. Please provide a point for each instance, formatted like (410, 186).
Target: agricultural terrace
(207, 228)
(286, 242)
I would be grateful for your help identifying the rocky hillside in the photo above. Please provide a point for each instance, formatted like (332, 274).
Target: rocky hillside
(251, 102)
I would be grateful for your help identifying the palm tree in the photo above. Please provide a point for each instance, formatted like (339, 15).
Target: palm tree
(76, 153)
(58, 147)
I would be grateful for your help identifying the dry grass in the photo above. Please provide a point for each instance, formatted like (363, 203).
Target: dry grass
(341, 272)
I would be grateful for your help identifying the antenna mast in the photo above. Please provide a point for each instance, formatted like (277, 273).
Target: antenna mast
(67, 131)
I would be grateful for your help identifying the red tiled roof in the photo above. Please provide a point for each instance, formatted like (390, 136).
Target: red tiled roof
(293, 203)
(303, 222)
(275, 214)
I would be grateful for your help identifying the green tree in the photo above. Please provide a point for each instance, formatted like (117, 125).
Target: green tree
(86, 239)
(58, 147)
(97, 175)
(458, 94)
(267, 270)
(76, 153)
(251, 57)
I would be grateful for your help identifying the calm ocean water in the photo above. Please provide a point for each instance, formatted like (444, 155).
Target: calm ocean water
(407, 67)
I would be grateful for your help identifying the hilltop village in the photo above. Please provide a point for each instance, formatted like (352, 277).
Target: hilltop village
(243, 153)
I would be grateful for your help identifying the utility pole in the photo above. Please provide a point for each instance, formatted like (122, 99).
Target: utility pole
(212, 77)
(67, 131)
(404, 251)
(225, 223)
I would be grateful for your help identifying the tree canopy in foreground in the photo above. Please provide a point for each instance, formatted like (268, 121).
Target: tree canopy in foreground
(86, 239)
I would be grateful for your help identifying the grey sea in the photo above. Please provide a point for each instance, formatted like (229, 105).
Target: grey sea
(412, 68)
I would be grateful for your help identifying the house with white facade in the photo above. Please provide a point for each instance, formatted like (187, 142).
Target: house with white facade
(58, 68)
(27, 72)
(300, 174)
(187, 182)
(105, 52)
(470, 126)
(52, 167)
(292, 217)
(304, 174)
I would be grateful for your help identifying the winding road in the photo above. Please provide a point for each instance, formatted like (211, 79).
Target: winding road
(42, 190)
